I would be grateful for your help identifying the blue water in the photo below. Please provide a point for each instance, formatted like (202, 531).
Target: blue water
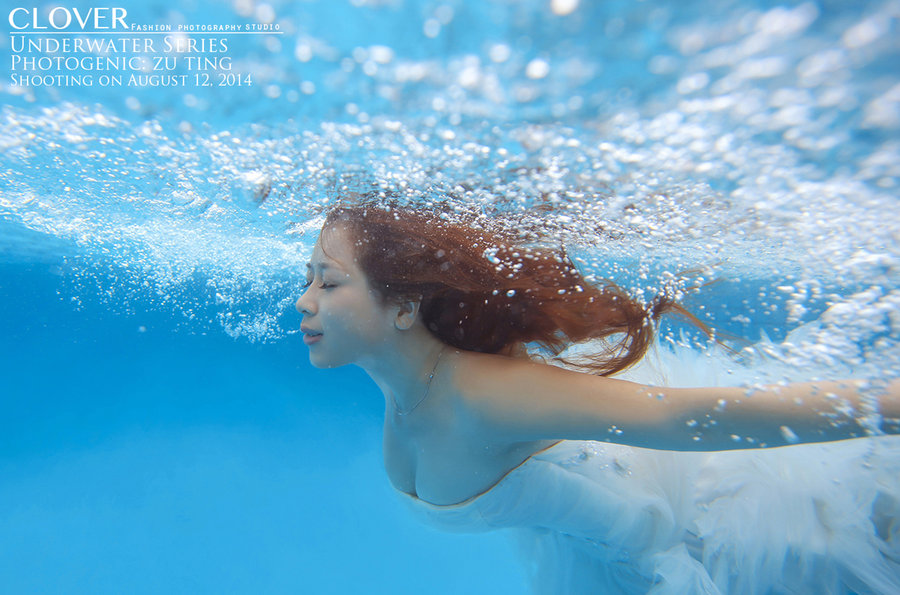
(167, 461)
(162, 430)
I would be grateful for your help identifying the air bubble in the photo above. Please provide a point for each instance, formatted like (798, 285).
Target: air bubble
(563, 7)
(788, 434)
(537, 69)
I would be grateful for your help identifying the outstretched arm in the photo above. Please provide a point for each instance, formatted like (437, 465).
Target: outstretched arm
(521, 401)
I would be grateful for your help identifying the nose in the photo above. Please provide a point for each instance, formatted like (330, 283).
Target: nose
(304, 303)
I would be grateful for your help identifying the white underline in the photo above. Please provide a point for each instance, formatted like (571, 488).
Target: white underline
(135, 33)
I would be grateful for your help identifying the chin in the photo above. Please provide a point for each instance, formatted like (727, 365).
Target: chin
(323, 362)
(318, 363)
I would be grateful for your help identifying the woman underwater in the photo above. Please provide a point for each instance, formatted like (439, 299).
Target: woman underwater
(478, 434)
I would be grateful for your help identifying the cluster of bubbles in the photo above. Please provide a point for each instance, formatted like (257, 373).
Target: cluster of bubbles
(751, 145)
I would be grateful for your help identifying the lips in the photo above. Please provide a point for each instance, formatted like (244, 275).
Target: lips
(310, 336)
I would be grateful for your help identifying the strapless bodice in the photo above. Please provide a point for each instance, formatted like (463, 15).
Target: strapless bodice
(610, 518)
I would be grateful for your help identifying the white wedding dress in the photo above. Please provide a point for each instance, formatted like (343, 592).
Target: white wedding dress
(602, 518)
(593, 517)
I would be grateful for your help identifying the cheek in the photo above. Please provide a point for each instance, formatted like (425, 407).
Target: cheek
(364, 314)
(357, 317)
(366, 329)
(352, 320)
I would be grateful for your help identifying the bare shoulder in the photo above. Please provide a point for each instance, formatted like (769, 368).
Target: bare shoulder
(483, 377)
(519, 399)
(500, 387)
(486, 387)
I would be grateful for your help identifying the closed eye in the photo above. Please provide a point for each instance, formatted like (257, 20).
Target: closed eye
(308, 283)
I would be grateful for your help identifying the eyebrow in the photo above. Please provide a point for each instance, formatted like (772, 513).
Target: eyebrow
(325, 266)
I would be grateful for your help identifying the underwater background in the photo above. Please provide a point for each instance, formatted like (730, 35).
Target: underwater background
(161, 428)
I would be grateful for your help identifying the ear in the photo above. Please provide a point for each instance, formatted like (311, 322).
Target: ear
(407, 312)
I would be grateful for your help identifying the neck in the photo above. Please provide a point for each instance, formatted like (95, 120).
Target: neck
(402, 367)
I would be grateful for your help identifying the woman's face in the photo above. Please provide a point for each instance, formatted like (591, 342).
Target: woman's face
(344, 320)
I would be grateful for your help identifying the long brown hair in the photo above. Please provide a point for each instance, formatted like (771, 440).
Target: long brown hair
(489, 289)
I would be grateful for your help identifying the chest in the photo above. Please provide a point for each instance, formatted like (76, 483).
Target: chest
(444, 466)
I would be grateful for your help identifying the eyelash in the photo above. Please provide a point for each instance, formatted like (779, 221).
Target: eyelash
(324, 285)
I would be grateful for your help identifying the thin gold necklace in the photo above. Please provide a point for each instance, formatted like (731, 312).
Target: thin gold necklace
(427, 387)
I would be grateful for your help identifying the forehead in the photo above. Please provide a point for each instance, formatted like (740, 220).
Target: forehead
(334, 248)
